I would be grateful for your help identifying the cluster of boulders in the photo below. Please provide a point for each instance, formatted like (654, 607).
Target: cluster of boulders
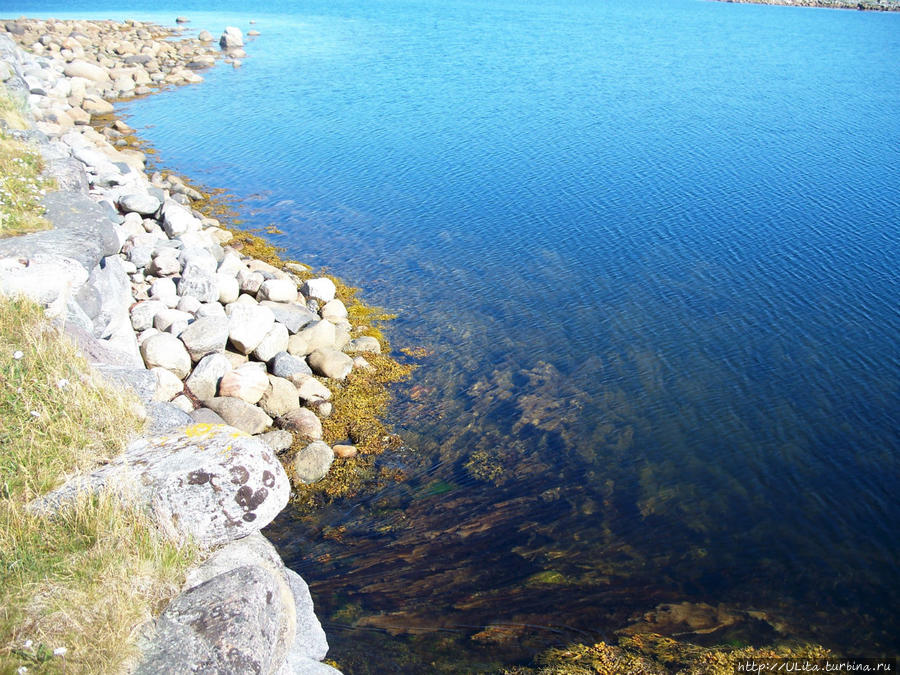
(231, 357)
(103, 61)
(231, 339)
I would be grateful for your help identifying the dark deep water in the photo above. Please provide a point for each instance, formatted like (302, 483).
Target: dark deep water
(654, 249)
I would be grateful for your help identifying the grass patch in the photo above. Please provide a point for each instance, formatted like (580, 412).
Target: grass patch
(83, 580)
(21, 182)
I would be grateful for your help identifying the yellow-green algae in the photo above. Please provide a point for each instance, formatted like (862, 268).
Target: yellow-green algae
(653, 654)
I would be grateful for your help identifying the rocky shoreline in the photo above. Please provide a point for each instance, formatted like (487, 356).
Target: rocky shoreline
(864, 5)
(232, 357)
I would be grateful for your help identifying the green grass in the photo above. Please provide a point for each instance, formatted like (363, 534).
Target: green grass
(83, 580)
(21, 182)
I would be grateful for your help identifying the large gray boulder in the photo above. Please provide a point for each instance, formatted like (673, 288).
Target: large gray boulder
(247, 382)
(205, 336)
(47, 279)
(166, 351)
(203, 382)
(233, 623)
(198, 282)
(319, 335)
(295, 637)
(248, 324)
(240, 414)
(139, 202)
(292, 315)
(82, 231)
(211, 483)
(176, 219)
(303, 422)
(288, 366)
(309, 640)
(275, 341)
(232, 38)
(330, 363)
(163, 418)
(321, 289)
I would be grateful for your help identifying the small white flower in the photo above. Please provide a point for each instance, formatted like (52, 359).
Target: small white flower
(60, 651)
(17, 354)
(35, 414)
(22, 670)
(28, 644)
(62, 383)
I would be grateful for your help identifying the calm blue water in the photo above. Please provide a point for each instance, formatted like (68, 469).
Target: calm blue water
(654, 248)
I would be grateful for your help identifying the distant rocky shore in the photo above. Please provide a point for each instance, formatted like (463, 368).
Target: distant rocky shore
(866, 5)
(231, 356)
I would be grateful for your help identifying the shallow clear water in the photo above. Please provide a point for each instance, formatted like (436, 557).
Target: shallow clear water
(653, 247)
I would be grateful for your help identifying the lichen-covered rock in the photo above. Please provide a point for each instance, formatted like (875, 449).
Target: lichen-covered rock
(212, 483)
(313, 462)
(233, 623)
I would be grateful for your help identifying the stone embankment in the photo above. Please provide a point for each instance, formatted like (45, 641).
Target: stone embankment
(866, 5)
(229, 355)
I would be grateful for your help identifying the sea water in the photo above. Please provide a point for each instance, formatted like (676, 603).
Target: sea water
(652, 248)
